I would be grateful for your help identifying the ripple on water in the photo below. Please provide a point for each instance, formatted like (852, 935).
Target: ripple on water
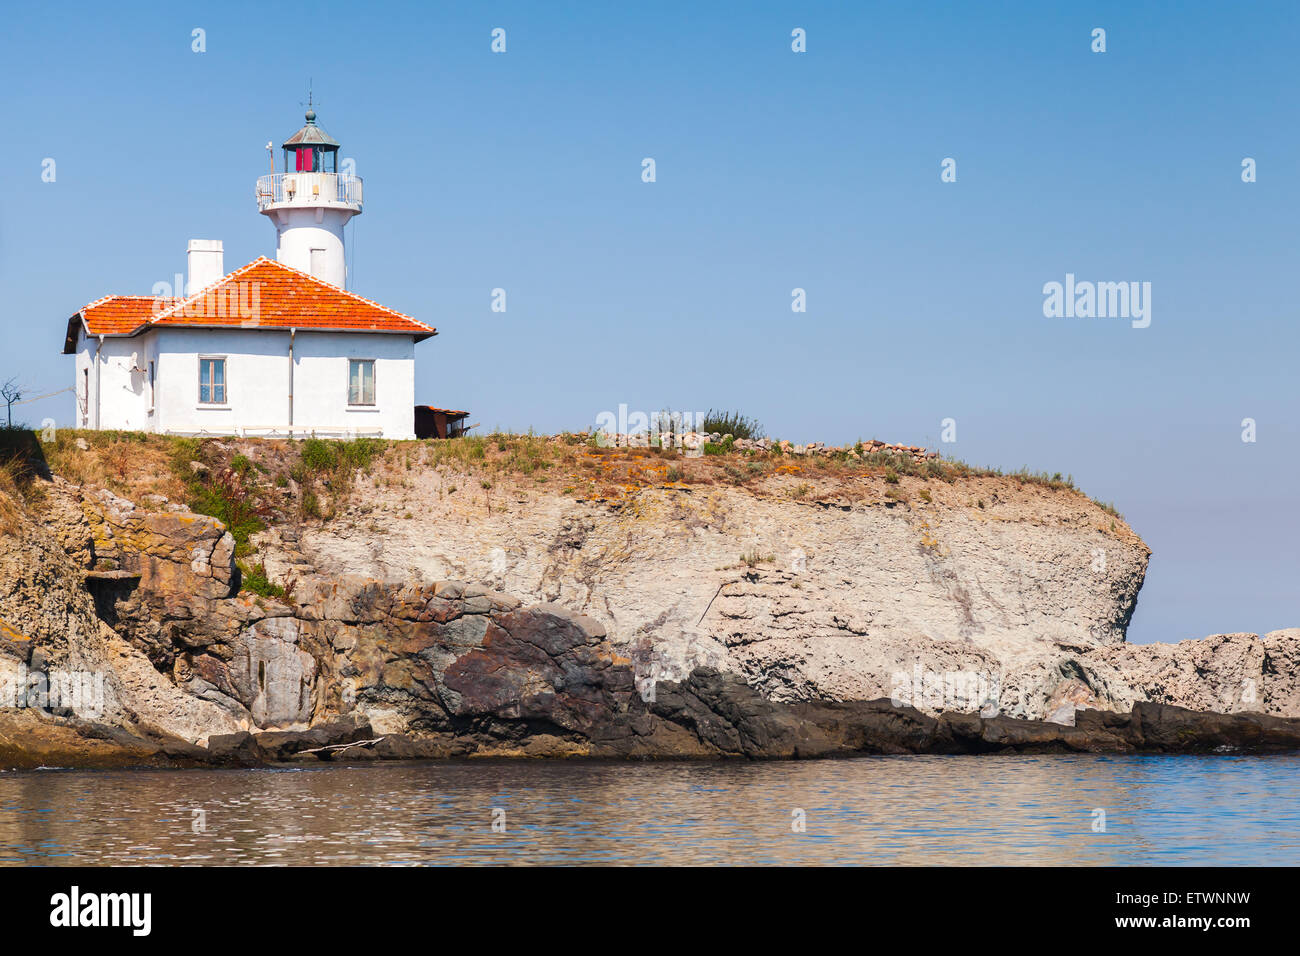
(1225, 809)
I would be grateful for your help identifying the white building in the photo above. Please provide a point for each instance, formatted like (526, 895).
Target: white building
(273, 348)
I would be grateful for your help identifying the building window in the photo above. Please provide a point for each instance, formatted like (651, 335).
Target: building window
(361, 381)
(152, 395)
(212, 381)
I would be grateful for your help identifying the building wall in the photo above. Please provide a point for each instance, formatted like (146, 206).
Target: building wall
(321, 381)
(113, 395)
(257, 383)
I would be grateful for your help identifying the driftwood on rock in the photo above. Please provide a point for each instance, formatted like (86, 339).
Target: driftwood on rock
(339, 748)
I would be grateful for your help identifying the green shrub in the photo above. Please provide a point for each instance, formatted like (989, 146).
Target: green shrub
(468, 449)
(317, 455)
(221, 493)
(335, 464)
(359, 453)
(731, 423)
(310, 505)
(226, 498)
(252, 577)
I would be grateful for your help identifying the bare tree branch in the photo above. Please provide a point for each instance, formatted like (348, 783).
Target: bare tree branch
(11, 392)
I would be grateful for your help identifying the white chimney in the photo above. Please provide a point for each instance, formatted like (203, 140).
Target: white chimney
(206, 264)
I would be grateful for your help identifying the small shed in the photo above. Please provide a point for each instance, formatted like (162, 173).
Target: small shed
(433, 422)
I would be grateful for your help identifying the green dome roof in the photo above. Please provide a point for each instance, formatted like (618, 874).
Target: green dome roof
(311, 135)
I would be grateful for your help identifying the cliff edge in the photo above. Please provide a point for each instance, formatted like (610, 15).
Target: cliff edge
(630, 603)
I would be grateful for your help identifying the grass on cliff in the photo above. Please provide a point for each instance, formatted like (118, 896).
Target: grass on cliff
(329, 468)
(249, 483)
(223, 490)
(585, 467)
(132, 464)
(252, 577)
(12, 499)
(246, 490)
(21, 463)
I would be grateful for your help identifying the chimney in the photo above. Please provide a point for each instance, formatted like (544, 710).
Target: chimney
(205, 264)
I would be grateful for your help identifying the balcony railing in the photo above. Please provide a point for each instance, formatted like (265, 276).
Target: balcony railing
(308, 189)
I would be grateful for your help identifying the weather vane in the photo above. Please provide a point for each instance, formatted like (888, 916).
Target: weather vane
(309, 102)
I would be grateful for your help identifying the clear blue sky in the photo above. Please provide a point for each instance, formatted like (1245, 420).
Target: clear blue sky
(775, 170)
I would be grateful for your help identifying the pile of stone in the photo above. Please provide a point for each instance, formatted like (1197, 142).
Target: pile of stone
(693, 443)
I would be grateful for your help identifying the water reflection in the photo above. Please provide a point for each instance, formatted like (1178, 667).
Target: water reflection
(874, 810)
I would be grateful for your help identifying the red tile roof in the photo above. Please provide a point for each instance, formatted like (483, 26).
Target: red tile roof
(262, 295)
(115, 315)
(122, 314)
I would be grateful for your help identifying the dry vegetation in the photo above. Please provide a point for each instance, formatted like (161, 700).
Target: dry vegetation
(11, 497)
(249, 483)
(575, 466)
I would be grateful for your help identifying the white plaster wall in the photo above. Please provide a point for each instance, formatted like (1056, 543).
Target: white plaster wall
(257, 382)
(121, 393)
(321, 382)
(84, 385)
(257, 378)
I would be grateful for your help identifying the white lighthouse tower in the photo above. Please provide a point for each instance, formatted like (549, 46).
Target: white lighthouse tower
(310, 203)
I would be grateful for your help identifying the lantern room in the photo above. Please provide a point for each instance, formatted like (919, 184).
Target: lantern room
(310, 203)
(311, 149)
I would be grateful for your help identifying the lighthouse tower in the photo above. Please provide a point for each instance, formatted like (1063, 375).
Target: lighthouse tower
(310, 203)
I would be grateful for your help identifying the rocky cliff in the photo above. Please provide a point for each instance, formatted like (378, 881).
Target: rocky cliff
(811, 583)
(654, 611)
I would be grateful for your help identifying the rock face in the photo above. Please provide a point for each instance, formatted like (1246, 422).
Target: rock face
(977, 622)
(59, 658)
(842, 590)
(183, 561)
(1222, 672)
(730, 718)
(31, 738)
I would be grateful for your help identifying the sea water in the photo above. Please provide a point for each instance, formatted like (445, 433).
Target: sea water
(1070, 810)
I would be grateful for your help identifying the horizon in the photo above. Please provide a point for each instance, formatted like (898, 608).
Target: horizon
(927, 300)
